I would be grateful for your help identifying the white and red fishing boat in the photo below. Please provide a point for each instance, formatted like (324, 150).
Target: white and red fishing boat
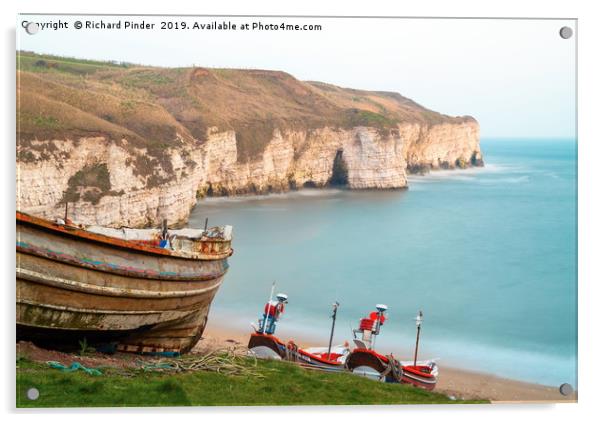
(371, 364)
(267, 346)
(264, 344)
(420, 374)
(365, 361)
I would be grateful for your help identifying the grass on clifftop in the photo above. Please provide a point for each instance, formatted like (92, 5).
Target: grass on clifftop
(67, 98)
(284, 384)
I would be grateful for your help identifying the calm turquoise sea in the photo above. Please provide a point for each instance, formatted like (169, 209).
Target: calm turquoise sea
(489, 255)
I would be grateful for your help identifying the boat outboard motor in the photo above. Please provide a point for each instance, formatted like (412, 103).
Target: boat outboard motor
(271, 314)
(370, 327)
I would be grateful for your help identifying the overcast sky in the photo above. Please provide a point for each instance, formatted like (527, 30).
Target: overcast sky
(517, 77)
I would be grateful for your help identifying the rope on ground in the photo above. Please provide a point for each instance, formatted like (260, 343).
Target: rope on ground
(229, 361)
(75, 366)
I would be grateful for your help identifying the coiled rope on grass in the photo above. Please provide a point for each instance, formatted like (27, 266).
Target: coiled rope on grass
(228, 361)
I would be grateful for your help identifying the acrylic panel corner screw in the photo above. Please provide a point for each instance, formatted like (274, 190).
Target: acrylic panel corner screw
(32, 28)
(33, 393)
(566, 389)
(566, 32)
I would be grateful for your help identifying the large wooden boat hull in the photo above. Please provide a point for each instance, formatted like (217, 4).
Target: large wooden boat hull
(150, 299)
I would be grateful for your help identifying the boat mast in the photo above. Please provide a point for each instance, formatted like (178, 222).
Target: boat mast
(418, 324)
(265, 317)
(335, 307)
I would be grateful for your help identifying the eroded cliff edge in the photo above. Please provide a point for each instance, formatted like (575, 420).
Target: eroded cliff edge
(129, 145)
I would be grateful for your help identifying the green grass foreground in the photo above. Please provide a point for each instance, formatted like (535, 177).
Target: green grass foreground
(283, 384)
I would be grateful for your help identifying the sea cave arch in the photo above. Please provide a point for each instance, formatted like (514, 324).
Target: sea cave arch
(340, 172)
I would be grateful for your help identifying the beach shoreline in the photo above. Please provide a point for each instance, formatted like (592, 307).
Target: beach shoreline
(459, 383)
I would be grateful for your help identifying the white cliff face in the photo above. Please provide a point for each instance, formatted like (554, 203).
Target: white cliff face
(296, 158)
(443, 145)
(41, 185)
(291, 159)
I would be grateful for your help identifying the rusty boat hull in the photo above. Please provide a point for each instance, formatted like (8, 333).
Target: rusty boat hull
(76, 283)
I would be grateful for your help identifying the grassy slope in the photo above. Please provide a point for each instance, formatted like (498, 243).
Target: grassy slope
(64, 97)
(284, 384)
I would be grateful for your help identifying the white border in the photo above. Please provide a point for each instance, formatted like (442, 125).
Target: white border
(590, 182)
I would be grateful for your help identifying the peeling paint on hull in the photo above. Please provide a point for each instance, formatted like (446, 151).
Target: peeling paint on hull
(71, 280)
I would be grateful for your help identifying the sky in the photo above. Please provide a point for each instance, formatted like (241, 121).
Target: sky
(516, 77)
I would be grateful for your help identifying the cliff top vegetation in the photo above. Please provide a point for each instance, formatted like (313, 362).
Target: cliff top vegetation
(157, 108)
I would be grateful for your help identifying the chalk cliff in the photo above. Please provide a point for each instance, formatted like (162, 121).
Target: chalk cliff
(133, 145)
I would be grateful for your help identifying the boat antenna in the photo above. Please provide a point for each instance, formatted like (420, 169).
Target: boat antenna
(335, 307)
(418, 324)
(265, 317)
(66, 210)
(206, 222)
(381, 311)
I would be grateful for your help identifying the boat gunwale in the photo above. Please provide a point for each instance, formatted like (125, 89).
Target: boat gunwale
(427, 376)
(333, 363)
(272, 337)
(76, 232)
(377, 355)
(275, 341)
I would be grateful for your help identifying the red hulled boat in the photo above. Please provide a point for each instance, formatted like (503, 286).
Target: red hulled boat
(267, 346)
(363, 360)
(264, 344)
(423, 374)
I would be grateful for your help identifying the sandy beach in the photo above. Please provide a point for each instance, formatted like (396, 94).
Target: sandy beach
(455, 382)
